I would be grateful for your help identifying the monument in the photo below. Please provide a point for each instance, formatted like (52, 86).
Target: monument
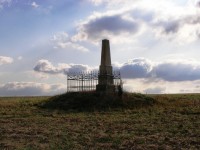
(105, 78)
(103, 81)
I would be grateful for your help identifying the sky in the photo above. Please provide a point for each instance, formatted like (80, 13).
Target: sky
(155, 44)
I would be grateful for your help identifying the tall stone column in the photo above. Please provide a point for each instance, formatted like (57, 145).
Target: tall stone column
(105, 70)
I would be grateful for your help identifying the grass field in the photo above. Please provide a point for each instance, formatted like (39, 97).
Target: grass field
(172, 123)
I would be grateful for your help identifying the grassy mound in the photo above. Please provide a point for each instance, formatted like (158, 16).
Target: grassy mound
(92, 101)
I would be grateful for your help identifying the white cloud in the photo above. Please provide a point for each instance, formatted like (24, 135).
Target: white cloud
(155, 90)
(70, 45)
(34, 5)
(5, 60)
(62, 41)
(167, 20)
(180, 70)
(137, 68)
(182, 30)
(44, 66)
(112, 24)
(194, 3)
(198, 4)
(169, 70)
(78, 68)
(160, 86)
(31, 89)
(143, 75)
(96, 2)
(112, 3)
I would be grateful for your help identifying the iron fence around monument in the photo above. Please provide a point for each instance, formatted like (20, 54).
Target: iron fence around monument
(87, 81)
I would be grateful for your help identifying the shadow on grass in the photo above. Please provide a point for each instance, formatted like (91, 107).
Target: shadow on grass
(92, 101)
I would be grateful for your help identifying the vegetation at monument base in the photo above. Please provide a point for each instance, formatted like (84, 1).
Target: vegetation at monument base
(92, 101)
(152, 122)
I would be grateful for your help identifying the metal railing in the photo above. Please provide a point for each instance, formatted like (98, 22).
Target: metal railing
(87, 81)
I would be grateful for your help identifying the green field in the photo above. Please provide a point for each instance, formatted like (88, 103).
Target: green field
(172, 123)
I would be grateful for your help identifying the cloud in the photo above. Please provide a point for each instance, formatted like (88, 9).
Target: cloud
(99, 2)
(62, 41)
(106, 25)
(182, 28)
(169, 70)
(96, 2)
(78, 68)
(30, 89)
(44, 66)
(5, 60)
(169, 26)
(111, 2)
(198, 4)
(136, 68)
(34, 5)
(177, 22)
(174, 25)
(155, 90)
(177, 71)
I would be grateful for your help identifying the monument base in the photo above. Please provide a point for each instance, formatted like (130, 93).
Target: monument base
(105, 88)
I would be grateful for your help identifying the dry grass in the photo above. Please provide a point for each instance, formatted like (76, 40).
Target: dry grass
(172, 123)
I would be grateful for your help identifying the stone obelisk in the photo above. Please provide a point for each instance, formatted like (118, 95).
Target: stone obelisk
(105, 78)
